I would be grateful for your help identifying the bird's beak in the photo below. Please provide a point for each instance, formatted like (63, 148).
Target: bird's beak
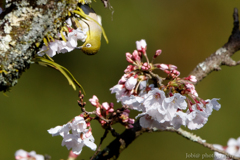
(78, 47)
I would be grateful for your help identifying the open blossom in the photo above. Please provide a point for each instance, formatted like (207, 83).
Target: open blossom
(60, 46)
(60, 130)
(78, 141)
(24, 155)
(147, 121)
(196, 119)
(120, 91)
(125, 86)
(133, 102)
(175, 104)
(80, 135)
(130, 83)
(94, 101)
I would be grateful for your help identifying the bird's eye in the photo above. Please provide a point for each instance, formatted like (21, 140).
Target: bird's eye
(88, 45)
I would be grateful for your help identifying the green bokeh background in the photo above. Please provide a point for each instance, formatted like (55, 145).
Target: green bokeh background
(187, 31)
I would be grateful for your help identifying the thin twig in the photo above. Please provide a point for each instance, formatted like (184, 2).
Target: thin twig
(100, 144)
(155, 76)
(105, 3)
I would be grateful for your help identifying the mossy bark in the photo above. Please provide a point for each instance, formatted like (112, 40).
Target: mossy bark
(23, 25)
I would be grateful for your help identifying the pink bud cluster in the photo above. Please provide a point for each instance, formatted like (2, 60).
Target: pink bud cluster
(108, 116)
(171, 105)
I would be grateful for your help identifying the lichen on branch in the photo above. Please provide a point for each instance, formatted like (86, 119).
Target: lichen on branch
(23, 25)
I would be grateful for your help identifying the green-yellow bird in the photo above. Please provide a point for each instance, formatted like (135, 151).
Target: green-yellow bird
(93, 22)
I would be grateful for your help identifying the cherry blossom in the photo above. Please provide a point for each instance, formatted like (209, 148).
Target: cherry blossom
(174, 104)
(79, 136)
(24, 155)
(60, 46)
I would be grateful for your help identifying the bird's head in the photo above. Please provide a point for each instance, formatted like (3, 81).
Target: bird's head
(92, 44)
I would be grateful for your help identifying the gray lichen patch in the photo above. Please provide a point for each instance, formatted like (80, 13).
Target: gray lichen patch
(24, 24)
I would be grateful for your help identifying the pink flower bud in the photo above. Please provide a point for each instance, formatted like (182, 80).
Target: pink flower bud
(105, 105)
(131, 121)
(129, 57)
(98, 111)
(141, 45)
(129, 68)
(191, 88)
(172, 67)
(175, 72)
(123, 79)
(111, 105)
(146, 66)
(167, 71)
(161, 66)
(136, 57)
(111, 110)
(94, 101)
(158, 52)
(191, 78)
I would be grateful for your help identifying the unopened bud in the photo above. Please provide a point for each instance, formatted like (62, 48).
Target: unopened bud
(158, 52)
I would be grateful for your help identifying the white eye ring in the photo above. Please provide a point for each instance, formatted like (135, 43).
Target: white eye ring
(88, 45)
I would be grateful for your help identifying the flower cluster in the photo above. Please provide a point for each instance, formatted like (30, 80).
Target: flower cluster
(24, 155)
(173, 104)
(108, 116)
(233, 148)
(69, 42)
(76, 134)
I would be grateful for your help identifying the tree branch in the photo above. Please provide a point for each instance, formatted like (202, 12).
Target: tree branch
(223, 55)
(198, 140)
(113, 150)
(23, 25)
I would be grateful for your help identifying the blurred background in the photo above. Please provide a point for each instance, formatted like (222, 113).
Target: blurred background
(187, 31)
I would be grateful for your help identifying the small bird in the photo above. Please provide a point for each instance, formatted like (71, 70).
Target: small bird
(93, 22)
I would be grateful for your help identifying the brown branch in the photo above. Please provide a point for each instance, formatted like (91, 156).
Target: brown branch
(223, 55)
(99, 146)
(113, 150)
